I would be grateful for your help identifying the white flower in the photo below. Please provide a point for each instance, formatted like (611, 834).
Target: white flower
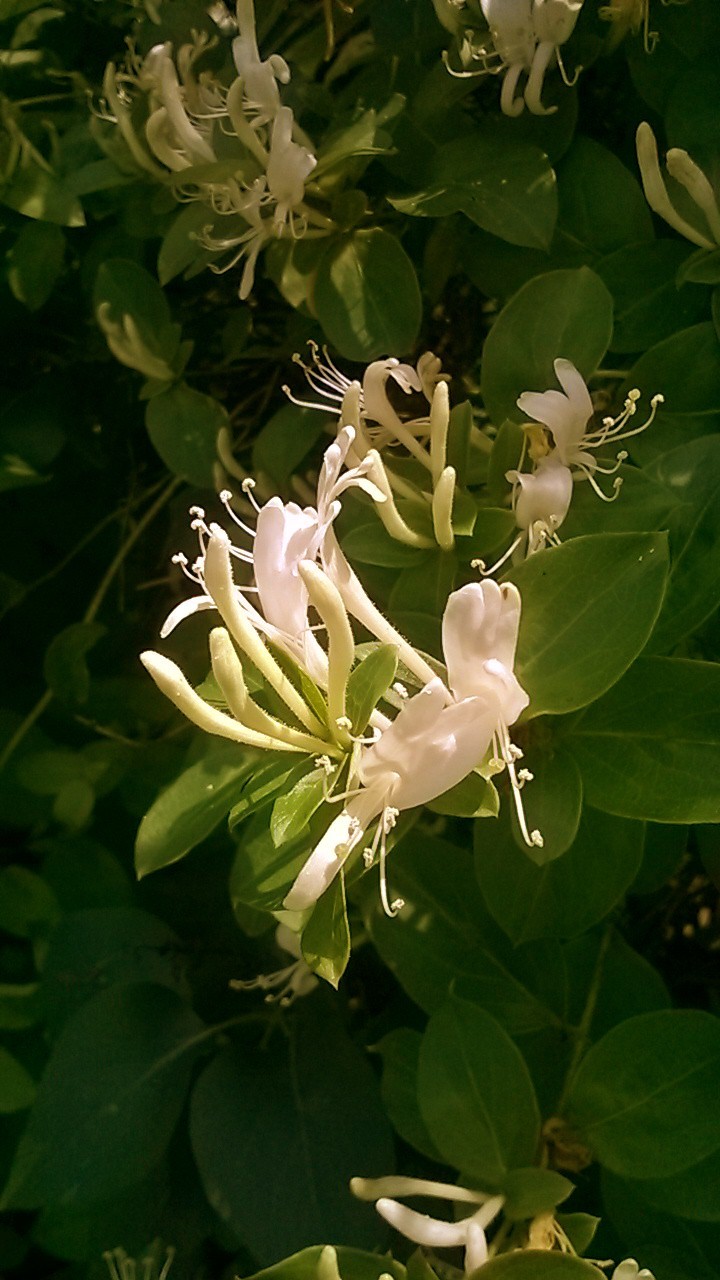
(434, 1233)
(696, 218)
(287, 984)
(541, 499)
(260, 79)
(629, 1270)
(437, 738)
(527, 35)
(289, 166)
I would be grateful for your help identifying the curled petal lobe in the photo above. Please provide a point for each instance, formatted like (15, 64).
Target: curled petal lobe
(480, 622)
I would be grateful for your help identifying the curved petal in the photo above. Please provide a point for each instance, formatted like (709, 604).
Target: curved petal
(543, 495)
(480, 622)
(575, 388)
(196, 604)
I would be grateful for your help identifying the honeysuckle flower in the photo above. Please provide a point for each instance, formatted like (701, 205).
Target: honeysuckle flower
(260, 78)
(567, 416)
(437, 738)
(434, 1233)
(377, 424)
(526, 38)
(688, 203)
(194, 122)
(541, 500)
(287, 984)
(155, 1264)
(630, 1270)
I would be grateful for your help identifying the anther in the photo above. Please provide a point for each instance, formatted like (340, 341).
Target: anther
(199, 512)
(368, 856)
(400, 689)
(536, 839)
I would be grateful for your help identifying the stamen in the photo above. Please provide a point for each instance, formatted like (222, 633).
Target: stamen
(247, 487)
(225, 497)
(480, 564)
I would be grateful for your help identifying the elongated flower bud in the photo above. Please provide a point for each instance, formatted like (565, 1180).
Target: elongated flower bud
(171, 681)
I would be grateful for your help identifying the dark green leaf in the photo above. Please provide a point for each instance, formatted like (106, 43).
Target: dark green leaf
(368, 681)
(367, 296)
(564, 897)
(649, 305)
(651, 747)
(508, 191)
(17, 1087)
(400, 1052)
(278, 1132)
(183, 425)
(685, 369)
(645, 1096)
(35, 262)
(475, 1093)
(65, 668)
(326, 936)
(564, 314)
(533, 1264)
(552, 801)
(575, 643)
(85, 1143)
(532, 1191)
(191, 807)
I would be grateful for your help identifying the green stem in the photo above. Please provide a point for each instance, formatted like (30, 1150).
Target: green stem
(582, 1032)
(90, 614)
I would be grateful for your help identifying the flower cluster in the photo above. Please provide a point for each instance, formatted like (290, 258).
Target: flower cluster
(469, 1232)
(237, 150)
(562, 451)
(524, 42)
(441, 733)
(686, 199)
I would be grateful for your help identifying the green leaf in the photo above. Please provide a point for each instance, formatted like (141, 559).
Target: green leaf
(602, 206)
(28, 906)
(326, 936)
(39, 193)
(508, 191)
(564, 897)
(445, 935)
(183, 425)
(35, 262)
(85, 1143)
(650, 748)
(191, 807)
(535, 1264)
(261, 784)
(685, 369)
(285, 440)
(65, 668)
(18, 1005)
(474, 797)
(564, 314)
(645, 1096)
(180, 250)
(293, 809)
(673, 1248)
(371, 544)
(132, 311)
(278, 1131)
(552, 801)
(694, 1193)
(649, 305)
(475, 1093)
(574, 642)
(368, 682)
(103, 947)
(367, 296)
(532, 1191)
(352, 1265)
(400, 1051)
(17, 1087)
(692, 475)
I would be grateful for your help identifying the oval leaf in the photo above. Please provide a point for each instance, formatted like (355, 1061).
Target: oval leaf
(588, 608)
(646, 1095)
(475, 1093)
(564, 314)
(367, 296)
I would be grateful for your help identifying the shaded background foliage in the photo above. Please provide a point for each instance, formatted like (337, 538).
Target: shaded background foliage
(139, 1095)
